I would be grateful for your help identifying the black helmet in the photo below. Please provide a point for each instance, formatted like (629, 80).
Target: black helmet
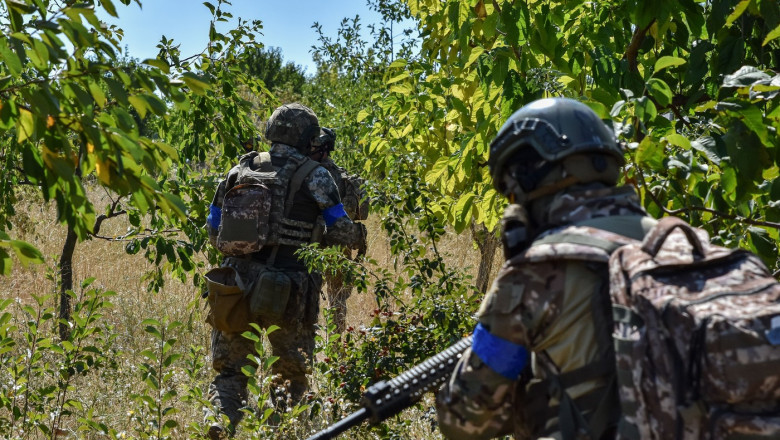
(327, 140)
(293, 124)
(554, 128)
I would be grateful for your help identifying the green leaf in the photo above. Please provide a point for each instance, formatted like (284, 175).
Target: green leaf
(474, 55)
(27, 253)
(20, 6)
(400, 77)
(728, 181)
(762, 244)
(404, 89)
(599, 108)
(660, 91)
(667, 61)
(650, 154)
(462, 212)
(11, 60)
(25, 125)
(97, 94)
(196, 83)
(158, 63)
(645, 109)
(738, 11)
(109, 7)
(679, 141)
(775, 33)
(139, 104)
(754, 120)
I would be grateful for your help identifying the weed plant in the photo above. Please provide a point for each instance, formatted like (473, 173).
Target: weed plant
(137, 363)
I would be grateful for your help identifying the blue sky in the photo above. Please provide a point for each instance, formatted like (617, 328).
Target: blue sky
(286, 24)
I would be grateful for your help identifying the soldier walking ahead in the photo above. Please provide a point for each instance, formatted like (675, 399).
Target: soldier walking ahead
(353, 195)
(269, 206)
(558, 165)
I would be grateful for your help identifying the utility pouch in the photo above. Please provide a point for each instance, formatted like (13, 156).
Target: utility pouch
(270, 295)
(245, 219)
(228, 304)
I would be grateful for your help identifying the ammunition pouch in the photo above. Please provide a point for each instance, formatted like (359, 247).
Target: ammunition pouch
(270, 295)
(228, 302)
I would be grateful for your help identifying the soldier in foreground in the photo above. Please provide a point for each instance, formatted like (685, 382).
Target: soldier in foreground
(353, 195)
(542, 360)
(269, 206)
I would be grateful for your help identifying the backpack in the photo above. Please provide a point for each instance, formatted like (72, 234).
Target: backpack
(697, 338)
(255, 210)
(696, 333)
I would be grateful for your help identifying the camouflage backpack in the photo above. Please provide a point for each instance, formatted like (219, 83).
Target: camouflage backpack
(256, 200)
(697, 338)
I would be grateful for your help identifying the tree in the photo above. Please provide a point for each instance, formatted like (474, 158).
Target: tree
(285, 80)
(701, 130)
(69, 113)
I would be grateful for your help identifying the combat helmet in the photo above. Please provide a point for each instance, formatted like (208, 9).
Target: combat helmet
(293, 124)
(549, 135)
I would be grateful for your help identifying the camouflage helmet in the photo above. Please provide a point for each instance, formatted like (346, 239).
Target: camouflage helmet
(293, 124)
(556, 129)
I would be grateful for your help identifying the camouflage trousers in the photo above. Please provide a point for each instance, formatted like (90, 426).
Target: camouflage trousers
(338, 294)
(293, 342)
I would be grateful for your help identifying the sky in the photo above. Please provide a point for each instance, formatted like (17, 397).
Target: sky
(287, 24)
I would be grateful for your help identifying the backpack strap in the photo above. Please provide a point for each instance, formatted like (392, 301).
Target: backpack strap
(603, 235)
(300, 175)
(262, 162)
(305, 167)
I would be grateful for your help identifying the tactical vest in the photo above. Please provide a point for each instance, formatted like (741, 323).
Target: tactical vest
(260, 212)
(582, 402)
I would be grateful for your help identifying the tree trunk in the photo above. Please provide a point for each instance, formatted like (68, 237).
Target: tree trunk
(66, 281)
(488, 244)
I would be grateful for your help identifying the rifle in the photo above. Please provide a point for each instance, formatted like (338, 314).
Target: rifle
(385, 399)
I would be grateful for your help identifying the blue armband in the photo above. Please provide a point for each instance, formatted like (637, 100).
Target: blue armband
(215, 216)
(504, 357)
(334, 213)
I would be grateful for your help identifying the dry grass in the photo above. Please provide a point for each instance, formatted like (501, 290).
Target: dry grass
(115, 270)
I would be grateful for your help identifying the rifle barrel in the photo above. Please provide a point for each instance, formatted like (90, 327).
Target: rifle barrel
(342, 425)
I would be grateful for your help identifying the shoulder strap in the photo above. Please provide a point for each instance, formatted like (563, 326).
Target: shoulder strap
(262, 162)
(571, 421)
(624, 225)
(303, 170)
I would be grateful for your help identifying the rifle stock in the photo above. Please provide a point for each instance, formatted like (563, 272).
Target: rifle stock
(388, 398)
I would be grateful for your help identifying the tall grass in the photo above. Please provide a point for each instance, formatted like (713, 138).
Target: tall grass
(137, 363)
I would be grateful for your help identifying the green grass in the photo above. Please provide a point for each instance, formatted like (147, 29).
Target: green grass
(139, 365)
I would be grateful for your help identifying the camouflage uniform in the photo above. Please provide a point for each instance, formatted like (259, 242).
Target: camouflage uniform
(294, 341)
(541, 301)
(356, 206)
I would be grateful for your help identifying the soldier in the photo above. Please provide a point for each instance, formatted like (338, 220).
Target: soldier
(542, 359)
(305, 202)
(353, 195)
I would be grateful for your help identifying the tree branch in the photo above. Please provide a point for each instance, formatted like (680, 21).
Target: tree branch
(720, 214)
(633, 49)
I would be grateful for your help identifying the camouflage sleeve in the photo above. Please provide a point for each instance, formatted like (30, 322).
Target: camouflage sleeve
(345, 232)
(336, 172)
(215, 208)
(340, 229)
(323, 188)
(476, 403)
(478, 400)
